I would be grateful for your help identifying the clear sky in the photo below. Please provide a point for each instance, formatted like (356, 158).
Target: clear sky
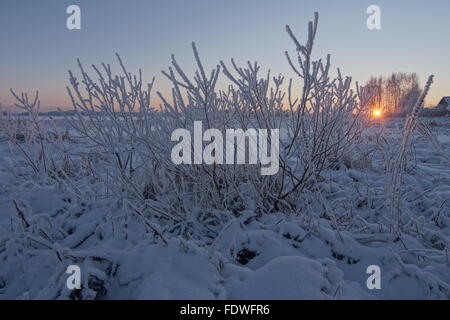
(36, 48)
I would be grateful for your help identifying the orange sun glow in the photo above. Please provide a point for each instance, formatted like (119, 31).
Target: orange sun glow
(377, 113)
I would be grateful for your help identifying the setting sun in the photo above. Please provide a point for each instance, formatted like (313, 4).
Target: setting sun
(377, 113)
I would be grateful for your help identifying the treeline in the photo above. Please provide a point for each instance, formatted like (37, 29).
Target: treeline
(396, 93)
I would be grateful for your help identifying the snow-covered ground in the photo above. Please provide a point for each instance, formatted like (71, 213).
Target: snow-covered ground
(246, 255)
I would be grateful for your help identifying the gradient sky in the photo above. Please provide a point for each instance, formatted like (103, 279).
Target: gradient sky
(36, 48)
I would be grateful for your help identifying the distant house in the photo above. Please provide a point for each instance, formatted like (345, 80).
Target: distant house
(441, 110)
(444, 103)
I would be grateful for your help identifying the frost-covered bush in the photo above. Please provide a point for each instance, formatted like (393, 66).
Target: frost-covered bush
(38, 141)
(322, 125)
